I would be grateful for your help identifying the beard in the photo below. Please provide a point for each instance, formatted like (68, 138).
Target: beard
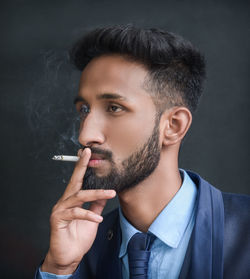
(134, 169)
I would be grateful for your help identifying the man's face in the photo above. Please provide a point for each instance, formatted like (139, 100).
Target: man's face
(118, 124)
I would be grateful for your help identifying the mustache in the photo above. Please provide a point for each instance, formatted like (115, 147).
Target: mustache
(106, 153)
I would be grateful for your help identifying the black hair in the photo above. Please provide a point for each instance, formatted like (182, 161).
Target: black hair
(176, 69)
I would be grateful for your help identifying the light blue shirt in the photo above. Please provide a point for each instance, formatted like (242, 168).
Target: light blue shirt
(172, 228)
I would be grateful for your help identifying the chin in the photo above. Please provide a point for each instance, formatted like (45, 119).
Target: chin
(101, 172)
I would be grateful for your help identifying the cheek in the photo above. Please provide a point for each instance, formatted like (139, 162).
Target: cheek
(126, 135)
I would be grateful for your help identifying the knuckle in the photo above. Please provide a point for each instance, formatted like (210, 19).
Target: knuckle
(53, 217)
(88, 214)
(100, 193)
(55, 207)
(83, 164)
(74, 211)
(79, 194)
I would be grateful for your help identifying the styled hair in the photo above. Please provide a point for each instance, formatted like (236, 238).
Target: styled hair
(176, 69)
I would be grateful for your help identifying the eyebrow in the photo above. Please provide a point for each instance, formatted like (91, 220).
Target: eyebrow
(104, 96)
(78, 99)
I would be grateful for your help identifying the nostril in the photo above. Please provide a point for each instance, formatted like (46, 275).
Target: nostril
(91, 133)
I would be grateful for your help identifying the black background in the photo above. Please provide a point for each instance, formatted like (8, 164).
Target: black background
(38, 119)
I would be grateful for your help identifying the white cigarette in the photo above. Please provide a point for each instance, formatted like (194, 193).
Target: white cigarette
(65, 158)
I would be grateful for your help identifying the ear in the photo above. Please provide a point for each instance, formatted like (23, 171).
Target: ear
(175, 124)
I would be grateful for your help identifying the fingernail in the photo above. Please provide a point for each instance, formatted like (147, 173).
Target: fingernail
(86, 150)
(98, 217)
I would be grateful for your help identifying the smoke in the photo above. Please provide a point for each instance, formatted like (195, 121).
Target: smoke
(50, 112)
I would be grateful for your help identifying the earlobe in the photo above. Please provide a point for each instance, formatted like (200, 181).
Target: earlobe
(176, 124)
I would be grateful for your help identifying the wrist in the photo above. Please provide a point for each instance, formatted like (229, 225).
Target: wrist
(50, 266)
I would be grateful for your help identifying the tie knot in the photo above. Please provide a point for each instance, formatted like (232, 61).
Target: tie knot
(138, 255)
(140, 241)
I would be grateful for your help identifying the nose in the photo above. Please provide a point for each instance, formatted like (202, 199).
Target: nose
(91, 130)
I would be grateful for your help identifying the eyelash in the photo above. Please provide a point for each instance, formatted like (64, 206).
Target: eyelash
(82, 112)
(85, 109)
(116, 106)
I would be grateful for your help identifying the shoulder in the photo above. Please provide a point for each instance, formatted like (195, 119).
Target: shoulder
(233, 203)
(236, 206)
(236, 235)
(236, 229)
(236, 210)
(236, 202)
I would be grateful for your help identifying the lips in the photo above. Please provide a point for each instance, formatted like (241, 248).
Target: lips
(96, 160)
(96, 157)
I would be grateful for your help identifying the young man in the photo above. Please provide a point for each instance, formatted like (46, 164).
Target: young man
(137, 93)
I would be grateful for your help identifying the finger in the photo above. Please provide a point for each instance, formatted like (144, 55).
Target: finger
(80, 214)
(98, 206)
(83, 196)
(81, 166)
(76, 180)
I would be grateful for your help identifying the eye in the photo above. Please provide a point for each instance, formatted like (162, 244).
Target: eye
(114, 108)
(84, 110)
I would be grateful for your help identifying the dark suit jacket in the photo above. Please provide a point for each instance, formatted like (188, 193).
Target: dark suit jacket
(219, 246)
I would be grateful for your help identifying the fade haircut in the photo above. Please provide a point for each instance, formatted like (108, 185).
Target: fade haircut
(176, 69)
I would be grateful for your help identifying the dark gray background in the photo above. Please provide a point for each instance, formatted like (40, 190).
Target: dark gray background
(38, 118)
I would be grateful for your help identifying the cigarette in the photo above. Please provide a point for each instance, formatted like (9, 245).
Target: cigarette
(65, 158)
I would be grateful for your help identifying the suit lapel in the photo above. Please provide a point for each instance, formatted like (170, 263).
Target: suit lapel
(109, 264)
(187, 261)
(208, 235)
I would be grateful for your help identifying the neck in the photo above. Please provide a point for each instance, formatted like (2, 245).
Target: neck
(143, 203)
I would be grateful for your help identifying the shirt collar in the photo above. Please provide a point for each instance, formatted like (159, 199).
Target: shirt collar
(170, 224)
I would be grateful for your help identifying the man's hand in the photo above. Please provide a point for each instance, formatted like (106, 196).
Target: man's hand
(73, 229)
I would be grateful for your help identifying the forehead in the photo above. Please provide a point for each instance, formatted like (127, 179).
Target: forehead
(113, 74)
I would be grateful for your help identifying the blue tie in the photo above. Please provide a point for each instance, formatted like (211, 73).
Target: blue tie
(138, 255)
